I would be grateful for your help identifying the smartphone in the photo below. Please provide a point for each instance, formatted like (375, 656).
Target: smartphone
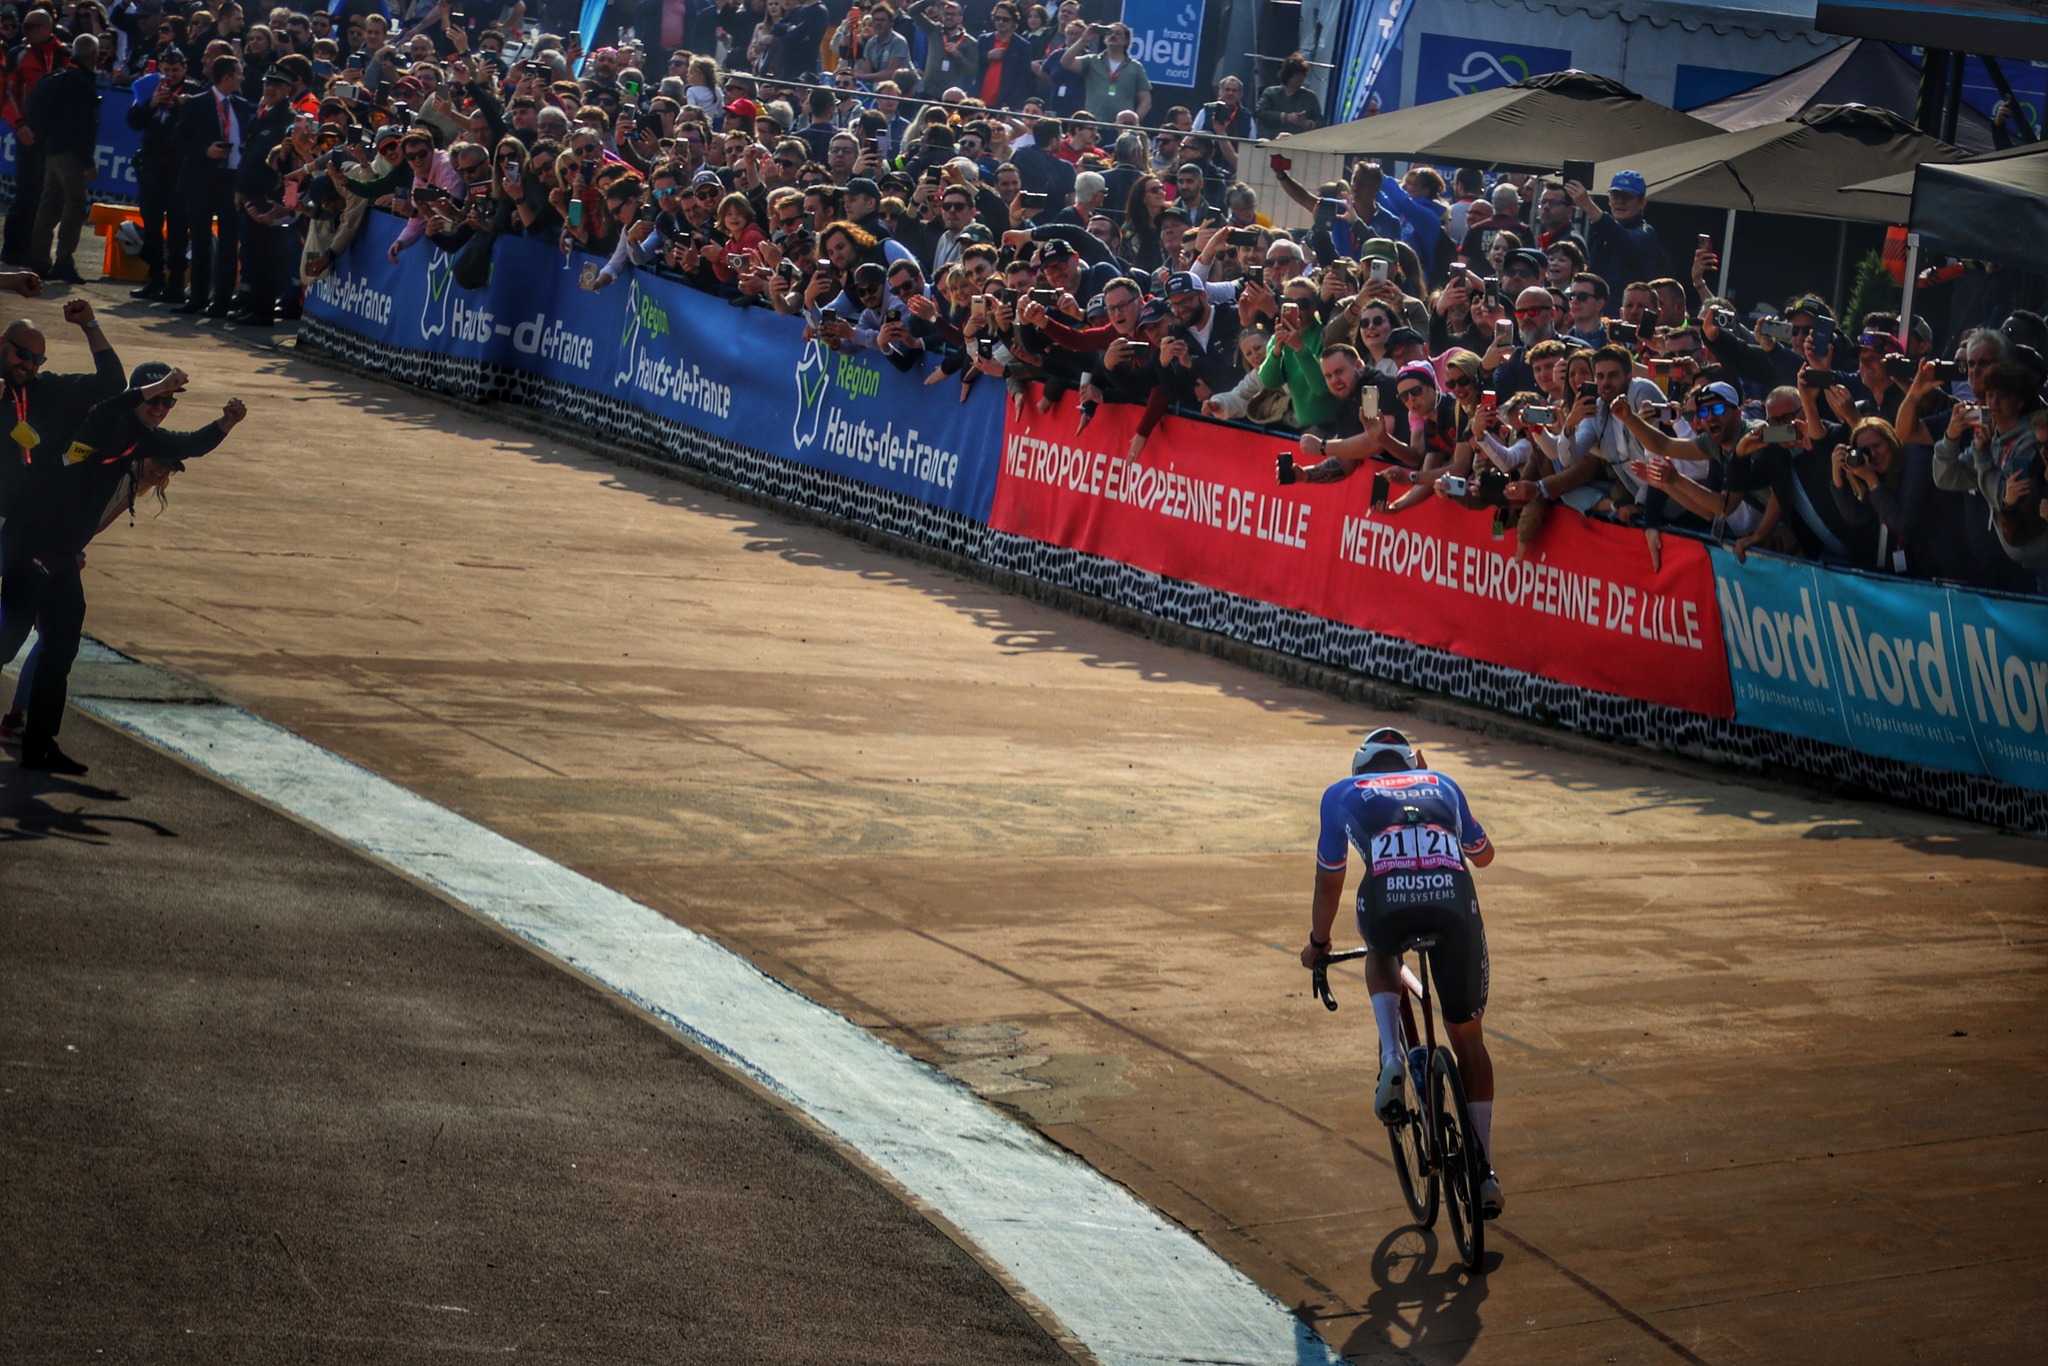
(1242, 237)
(985, 347)
(1027, 197)
(1292, 313)
(1706, 242)
(1282, 163)
(1581, 171)
(1369, 401)
(1050, 298)
(1492, 284)
(575, 213)
(1823, 336)
(1815, 378)
(1138, 350)
(1541, 417)
(1488, 399)
(1379, 271)
(511, 173)
(1777, 329)
(346, 92)
(894, 315)
(1455, 485)
(1504, 330)
(1779, 434)
(587, 280)
(1381, 490)
(979, 306)
(1622, 334)
(1284, 467)
(1649, 323)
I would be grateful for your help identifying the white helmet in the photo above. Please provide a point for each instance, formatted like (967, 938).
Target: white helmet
(1384, 741)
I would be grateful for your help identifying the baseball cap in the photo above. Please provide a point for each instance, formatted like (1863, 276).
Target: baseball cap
(1808, 303)
(744, 108)
(1182, 282)
(869, 273)
(705, 177)
(1379, 248)
(1527, 256)
(1055, 250)
(1415, 369)
(1725, 391)
(149, 372)
(861, 184)
(1405, 336)
(1628, 182)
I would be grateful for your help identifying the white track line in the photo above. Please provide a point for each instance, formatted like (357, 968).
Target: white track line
(1130, 1285)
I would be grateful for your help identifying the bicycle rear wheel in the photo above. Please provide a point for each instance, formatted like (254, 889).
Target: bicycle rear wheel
(1459, 1158)
(1410, 1141)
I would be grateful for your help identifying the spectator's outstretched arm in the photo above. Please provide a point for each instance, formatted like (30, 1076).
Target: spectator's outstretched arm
(1296, 191)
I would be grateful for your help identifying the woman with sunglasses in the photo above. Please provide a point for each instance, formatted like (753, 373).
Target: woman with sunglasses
(118, 452)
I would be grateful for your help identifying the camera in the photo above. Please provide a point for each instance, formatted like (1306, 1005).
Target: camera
(1493, 488)
(1049, 298)
(1854, 458)
(1241, 237)
(1777, 329)
(1814, 378)
(1949, 371)
(985, 347)
(1622, 334)
(1901, 368)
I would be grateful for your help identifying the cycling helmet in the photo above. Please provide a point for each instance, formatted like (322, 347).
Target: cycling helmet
(1384, 743)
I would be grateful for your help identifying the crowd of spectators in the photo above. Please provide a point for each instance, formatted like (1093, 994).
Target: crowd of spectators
(988, 193)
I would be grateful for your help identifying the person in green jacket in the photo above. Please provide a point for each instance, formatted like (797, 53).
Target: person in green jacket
(1295, 357)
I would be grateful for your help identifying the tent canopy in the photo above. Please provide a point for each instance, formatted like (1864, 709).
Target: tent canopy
(1994, 208)
(1794, 168)
(1533, 125)
(1858, 72)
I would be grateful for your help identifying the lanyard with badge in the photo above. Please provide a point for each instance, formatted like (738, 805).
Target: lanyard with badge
(24, 436)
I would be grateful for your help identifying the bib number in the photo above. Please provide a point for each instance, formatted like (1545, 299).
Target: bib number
(1410, 848)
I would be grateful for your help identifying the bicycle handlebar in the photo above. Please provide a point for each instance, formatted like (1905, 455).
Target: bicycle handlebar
(1321, 971)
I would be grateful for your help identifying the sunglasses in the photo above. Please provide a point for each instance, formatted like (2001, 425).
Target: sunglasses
(1410, 392)
(1538, 311)
(1462, 382)
(1581, 297)
(32, 357)
(1716, 409)
(419, 154)
(706, 192)
(165, 401)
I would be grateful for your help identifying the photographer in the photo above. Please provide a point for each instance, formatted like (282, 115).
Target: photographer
(1792, 455)
(1700, 474)
(1129, 369)
(165, 233)
(1993, 448)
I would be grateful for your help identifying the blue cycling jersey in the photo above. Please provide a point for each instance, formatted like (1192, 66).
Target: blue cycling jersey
(1401, 822)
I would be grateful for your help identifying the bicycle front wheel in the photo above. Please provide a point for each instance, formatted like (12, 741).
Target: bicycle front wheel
(1458, 1154)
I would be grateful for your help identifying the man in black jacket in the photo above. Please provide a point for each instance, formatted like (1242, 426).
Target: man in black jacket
(118, 452)
(64, 109)
(42, 410)
(209, 136)
(158, 97)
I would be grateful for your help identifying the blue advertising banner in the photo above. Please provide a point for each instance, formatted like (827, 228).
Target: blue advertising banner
(1449, 66)
(1369, 37)
(1944, 678)
(742, 373)
(1166, 36)
(2003, 644)
(114, 176)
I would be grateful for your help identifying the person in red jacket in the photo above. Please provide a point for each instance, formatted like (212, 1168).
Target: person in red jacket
(39, 54)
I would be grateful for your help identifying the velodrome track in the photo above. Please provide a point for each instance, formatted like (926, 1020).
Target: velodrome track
(1771, 1063)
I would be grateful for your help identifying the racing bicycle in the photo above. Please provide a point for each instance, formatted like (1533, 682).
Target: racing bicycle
(1436, 1156)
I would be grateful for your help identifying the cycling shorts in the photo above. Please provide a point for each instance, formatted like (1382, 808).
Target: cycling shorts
(1459, 962)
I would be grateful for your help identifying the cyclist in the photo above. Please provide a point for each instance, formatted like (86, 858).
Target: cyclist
(1418, 836)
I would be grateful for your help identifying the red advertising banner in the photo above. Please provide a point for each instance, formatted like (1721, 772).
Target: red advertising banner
(1200, 503)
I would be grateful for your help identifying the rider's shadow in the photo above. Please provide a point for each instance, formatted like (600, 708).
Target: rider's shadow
(1424, 1303)
(27, 811)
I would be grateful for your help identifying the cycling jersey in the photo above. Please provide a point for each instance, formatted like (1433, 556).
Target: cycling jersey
(1415, 830)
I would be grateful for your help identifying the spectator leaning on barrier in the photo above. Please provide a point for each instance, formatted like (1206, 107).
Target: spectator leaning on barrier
(1994, 445)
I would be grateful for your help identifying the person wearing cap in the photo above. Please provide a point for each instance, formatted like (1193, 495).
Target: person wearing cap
(1621, 244)
(1702, 473)
(1405, 816)
(1199, 350)
(1129, 370)
(153, 112)
(116, 452)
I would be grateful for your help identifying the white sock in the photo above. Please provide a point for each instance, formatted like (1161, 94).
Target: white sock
(1386, 1008)
(1482, 1125)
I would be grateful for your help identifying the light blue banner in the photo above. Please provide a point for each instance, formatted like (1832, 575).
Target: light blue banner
(742, 373)
(1166, 37)
(1940, 677)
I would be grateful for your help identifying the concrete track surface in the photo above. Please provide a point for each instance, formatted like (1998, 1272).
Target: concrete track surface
(1771, 1063)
